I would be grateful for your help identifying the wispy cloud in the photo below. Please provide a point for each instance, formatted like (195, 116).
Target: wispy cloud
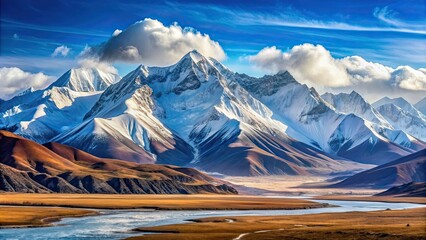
(22, 25)
(290, 17)
(389, 17)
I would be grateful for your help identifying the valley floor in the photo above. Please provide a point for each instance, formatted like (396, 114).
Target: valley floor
(389, 224)
(159, 202)
(292, 185)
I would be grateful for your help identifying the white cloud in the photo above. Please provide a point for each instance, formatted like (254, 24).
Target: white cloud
(15, 36)
(306, 62)
(409, 78)
(314, 64)
(151, 43)
(116, 32)
(13, 81)
(61, 51)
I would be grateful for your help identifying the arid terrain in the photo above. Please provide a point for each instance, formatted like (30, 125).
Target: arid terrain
(398, 224)
(159, 202)
(292, 185)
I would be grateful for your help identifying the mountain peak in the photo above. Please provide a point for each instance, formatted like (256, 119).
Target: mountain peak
(85, 79)
(399, 102)
(194, 55)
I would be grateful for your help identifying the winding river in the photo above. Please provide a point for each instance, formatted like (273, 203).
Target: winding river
(118, 224)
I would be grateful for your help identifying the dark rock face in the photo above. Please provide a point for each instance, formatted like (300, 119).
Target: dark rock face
(26, 166)
(266, 85)
(191, 82)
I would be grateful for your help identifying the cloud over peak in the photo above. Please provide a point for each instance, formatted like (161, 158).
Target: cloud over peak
(315, 66)
(13, 81)
(151, 43)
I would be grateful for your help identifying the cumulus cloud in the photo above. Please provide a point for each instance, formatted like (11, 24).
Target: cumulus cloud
(313, 64)
(151, 43)
(61, 51)
(14, 81)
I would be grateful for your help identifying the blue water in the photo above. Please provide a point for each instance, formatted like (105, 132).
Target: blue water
(118, 224)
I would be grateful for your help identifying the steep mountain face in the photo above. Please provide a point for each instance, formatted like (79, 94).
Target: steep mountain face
(86, 80)
(421, 106)
(407, 169)
(312, 120)
(403, 116)
(41, 115)
(355, 103)
(193, 113)
(26, 166)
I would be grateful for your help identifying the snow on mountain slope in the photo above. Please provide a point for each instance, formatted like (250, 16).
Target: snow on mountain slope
(192, 108)
(402, 104)
(312, 120)
(86, 80)
(41, 115)
(355, 103)
(403, 116)
(421, 106)
(415, 125)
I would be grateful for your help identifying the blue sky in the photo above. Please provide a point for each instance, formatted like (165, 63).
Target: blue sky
(388, 32)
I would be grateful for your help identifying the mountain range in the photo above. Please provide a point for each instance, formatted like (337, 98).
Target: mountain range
(198, 113)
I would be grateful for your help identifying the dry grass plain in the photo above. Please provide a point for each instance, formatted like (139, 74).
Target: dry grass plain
(388, 225)
(160, 202)
(12, 216)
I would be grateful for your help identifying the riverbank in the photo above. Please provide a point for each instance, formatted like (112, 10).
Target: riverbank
(12, 216)
(388, 224)
(158, 202)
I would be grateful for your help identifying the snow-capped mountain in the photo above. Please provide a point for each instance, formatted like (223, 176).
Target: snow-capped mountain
(421, 106)
(355, 103)
(43, 114)
(312, 120)
(403, 116)
(199, 113)
(192, 113)
(86, 80)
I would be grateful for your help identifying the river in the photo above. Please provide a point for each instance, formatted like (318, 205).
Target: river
(118, 224)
